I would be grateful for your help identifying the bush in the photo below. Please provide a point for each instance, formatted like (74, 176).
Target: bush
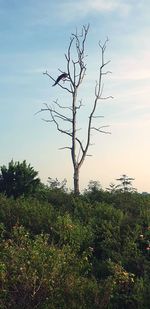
(58, 251)
(35, 274)
(18, 179)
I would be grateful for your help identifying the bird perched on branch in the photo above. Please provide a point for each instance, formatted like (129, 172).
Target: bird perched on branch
(62, 76)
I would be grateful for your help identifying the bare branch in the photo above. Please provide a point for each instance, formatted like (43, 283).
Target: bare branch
(98, 95)
(75, 72)
(46, 120)
(39, 111)
(100, 129)
(55, 113)
(62, 107)
(68, 57)
(107, 72)
(53, 119)
(80, 105)
(79, 40)
(61, 130)
(62, 148)
(105, 63)
(106, 98)
(80, 143)
(98, 116)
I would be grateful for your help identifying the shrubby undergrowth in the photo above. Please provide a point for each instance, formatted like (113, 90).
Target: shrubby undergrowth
(59, 251)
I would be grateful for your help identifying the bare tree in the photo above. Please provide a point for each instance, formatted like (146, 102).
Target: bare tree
(61, 115)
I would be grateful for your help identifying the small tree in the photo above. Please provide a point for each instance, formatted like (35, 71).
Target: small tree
(74, 75)
(125, 184)
(111, 188)
(18, 179)
(55, 184)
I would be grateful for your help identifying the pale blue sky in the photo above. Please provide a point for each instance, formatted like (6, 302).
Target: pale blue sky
(34, 35)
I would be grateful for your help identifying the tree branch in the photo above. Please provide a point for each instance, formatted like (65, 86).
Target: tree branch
(62, 148)
(76, 70)
(60, 106)
(65, 88)
(98, 96)
(101, 131)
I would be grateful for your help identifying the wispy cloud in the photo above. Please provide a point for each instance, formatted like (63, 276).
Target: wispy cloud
(72, 9)
(109, 5)
(47, 12)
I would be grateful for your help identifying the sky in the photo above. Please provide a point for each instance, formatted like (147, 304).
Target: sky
(34, 37)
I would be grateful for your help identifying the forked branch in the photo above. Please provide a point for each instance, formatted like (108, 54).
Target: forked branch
(74, 75)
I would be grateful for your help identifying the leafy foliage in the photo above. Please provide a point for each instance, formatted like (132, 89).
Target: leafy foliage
(125, 184)
(60, 251)
(18, 179)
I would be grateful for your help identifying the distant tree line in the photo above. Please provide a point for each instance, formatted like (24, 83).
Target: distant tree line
(21, 179)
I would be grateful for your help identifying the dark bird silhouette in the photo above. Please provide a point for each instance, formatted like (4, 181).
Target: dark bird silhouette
(62, 76)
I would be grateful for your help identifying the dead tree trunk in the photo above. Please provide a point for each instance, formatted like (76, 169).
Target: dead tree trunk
(76, 181)
(75, 72)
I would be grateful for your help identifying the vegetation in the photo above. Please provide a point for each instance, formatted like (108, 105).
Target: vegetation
(18, 179)
(60, 251)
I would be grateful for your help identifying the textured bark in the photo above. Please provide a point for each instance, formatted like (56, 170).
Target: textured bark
(76, 181)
